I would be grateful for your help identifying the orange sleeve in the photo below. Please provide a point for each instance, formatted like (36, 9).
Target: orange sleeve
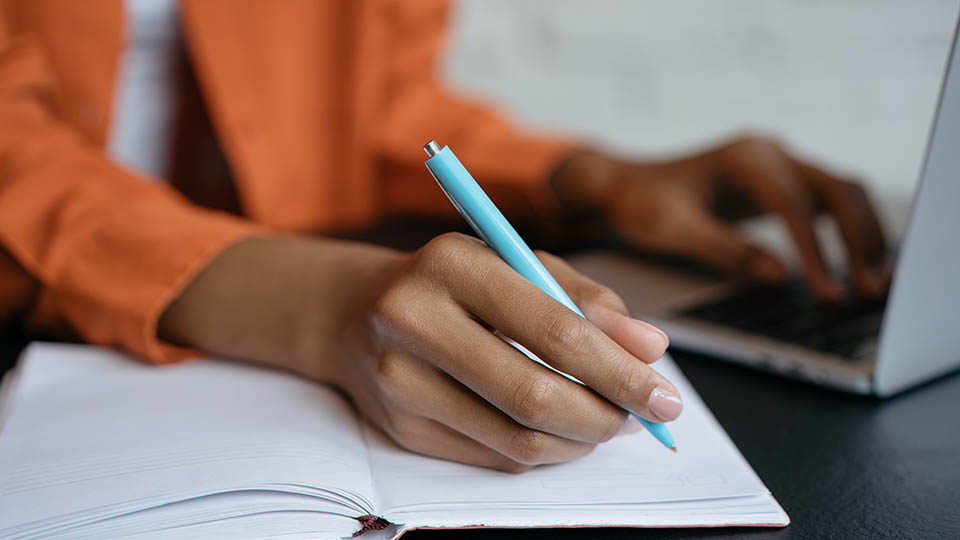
(87, 244)
(512, 166)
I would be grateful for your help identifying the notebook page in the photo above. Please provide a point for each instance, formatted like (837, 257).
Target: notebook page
(629, 469)
(107, 435)
(244, 514)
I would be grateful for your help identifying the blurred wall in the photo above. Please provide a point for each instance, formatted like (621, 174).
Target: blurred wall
(851, 83)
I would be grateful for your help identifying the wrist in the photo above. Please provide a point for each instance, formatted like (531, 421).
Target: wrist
(277, 301)
(348, 279)
(585, 181)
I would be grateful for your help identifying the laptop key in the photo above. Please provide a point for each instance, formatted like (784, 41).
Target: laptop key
(791, 315)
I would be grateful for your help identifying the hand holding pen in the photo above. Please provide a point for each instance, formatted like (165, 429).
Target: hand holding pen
(410, 338)
(487, 221)
(441, 383)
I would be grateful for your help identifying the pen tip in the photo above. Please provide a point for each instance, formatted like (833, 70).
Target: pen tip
(673, 449)
(431, 148)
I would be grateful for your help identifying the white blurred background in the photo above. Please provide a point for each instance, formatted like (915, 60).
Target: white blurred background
(850, 83)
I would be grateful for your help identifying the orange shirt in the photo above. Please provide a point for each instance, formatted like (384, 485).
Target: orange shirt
(321, 108)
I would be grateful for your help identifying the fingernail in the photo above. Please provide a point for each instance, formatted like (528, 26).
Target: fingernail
(767, 269)
(664, 404)
(647, 327)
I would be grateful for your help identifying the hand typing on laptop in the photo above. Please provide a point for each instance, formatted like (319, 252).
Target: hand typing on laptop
(685, 206)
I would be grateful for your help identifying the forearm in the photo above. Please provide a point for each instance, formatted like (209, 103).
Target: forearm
(279, 301)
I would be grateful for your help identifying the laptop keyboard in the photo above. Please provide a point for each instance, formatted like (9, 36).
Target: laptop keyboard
(791, 314)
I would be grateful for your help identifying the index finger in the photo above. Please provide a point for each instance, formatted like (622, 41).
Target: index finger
(767, 173)
(859, 225)
(570, 344)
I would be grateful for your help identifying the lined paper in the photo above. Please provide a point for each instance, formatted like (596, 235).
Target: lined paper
(97, 444)
(94, 435)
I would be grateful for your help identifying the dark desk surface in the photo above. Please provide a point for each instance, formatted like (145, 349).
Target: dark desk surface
(842, 466)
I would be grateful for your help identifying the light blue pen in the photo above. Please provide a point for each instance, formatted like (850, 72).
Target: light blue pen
(480, 212)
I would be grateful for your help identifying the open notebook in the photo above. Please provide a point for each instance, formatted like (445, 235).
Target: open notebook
(94, 444)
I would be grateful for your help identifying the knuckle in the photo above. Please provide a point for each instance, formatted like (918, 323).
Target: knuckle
(392, 306)
(446, 241)
(562, 332)
(757, 142)
(390, 374)
(852, 190)
(535, 401)
(547, 257)
(628, 390)
(394, 314)
(449, 251)
(753, 148)
(605, 296)
(529, 446)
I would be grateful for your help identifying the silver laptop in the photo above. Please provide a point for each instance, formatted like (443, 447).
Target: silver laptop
(876, 348)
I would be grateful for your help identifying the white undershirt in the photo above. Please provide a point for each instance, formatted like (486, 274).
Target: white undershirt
(146, 86)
